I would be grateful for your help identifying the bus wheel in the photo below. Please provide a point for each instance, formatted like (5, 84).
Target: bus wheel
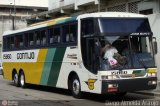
(15, 79)
(76, 87)
(22, 80)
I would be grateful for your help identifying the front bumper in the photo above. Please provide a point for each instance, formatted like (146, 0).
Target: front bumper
(128, 85)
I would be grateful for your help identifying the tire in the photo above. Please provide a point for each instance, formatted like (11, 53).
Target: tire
(76, 87)
(22, 80)
(16, 79)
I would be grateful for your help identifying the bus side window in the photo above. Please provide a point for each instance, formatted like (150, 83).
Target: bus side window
(21, 43)
(26, 40)
(73, 32)
(87, 28)
(37, 35)
(5, 43)
(70, 33)
(57, 35)
(43, 37)
(50, 35)
(65, 33)
(12, 43)
(31, 39)
(18, 41)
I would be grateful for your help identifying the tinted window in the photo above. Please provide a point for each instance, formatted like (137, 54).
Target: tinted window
(54, 35)
(87, 27)
(12, 46)
(70, 33)
(19, 41)
(31, 39)
(124, 25)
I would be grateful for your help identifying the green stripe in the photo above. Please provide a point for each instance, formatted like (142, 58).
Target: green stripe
(56, 65)
(47, 66)
(139, 72)
(67, 20)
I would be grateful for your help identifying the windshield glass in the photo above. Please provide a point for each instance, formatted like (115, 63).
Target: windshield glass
(125, 25)
(117, 43)
(126, 52)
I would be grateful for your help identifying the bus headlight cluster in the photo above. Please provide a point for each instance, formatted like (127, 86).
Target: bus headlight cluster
(151, 74)
(152, 82)
(110, 77)
(112, 85)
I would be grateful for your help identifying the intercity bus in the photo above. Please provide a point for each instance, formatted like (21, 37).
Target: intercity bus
(66, 53)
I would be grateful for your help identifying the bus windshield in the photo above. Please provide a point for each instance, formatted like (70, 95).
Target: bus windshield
(130, 52)
(125, 25)
(121, 43)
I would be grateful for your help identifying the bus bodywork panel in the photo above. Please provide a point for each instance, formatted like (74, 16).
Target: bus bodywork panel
(42, 68)
(32, 67)
(127, 80)
(129, 85)
(51, 67)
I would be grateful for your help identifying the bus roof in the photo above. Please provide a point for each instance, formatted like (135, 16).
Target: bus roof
(41, 25)
(67, 19)
(112, 14)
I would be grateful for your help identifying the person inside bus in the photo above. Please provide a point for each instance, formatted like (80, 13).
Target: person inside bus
(108, 52)
(111, 57)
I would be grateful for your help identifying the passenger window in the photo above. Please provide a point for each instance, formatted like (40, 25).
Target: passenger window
(69, 33)
(50, 33)
(12, 43)
(65, 33)
(43, 37)
(18, 41)
(31, 39)
(87, 27)
(54, 34)
(38, 37)
(26, 39)
(73, 32)
(5, 43)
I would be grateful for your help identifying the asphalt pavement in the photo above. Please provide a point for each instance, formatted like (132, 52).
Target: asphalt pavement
(47, 96)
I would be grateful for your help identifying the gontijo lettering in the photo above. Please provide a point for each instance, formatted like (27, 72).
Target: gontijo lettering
(26, 55)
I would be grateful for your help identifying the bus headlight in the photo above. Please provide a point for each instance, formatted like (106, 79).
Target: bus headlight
(149, 74)
(152, 82)
(110, 77)
(152, 74)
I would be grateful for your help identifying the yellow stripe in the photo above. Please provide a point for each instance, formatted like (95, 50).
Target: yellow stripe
(50, 22)
(32, 71)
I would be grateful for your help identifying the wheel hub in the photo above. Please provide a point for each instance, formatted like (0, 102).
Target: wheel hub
(22, 79)
(15, 78)
(76, 86)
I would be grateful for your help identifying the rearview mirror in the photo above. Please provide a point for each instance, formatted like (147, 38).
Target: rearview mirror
(155, 48)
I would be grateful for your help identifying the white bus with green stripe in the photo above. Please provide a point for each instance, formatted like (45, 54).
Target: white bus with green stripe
(66, 53)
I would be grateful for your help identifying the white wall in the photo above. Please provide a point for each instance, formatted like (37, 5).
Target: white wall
(32, 3)
(155, 23)
(54, 4)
